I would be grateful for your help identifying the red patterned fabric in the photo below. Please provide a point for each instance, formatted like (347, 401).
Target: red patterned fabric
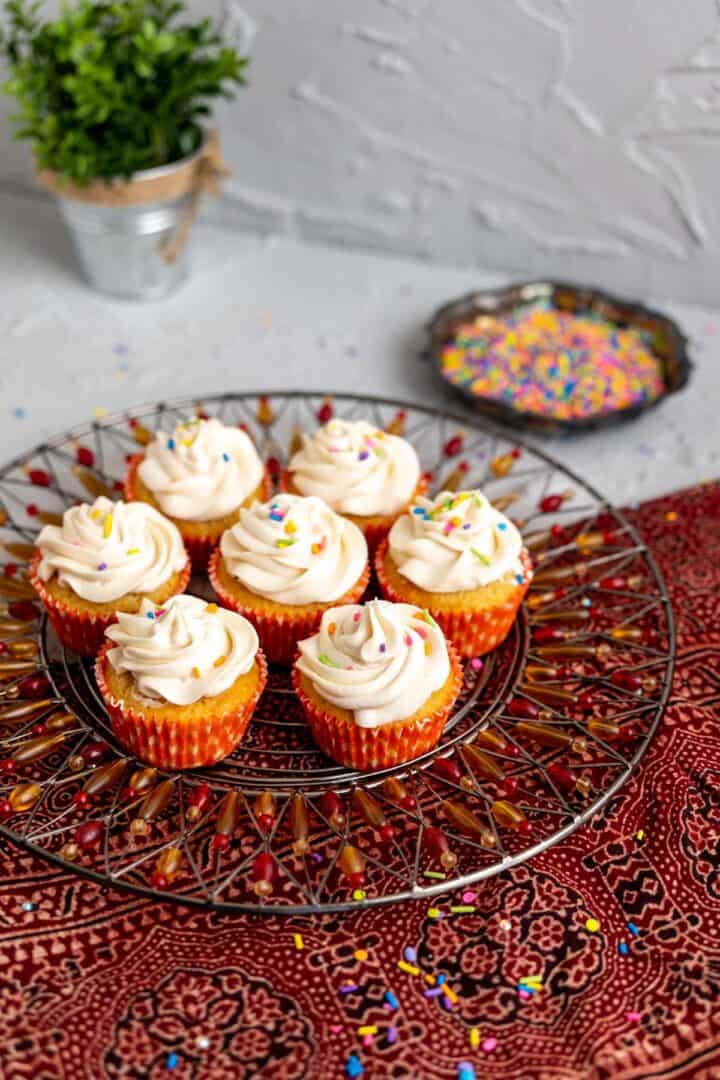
(97, 983)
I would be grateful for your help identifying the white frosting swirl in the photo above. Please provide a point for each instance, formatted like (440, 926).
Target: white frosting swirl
(108, 549)
(356, 468)
(202, 471)
(294, 550)
(454, 542)
(380, 661)
(186, 650)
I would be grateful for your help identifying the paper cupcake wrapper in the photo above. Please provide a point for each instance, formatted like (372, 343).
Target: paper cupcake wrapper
(179, 743)
(199, 548)
(472, 632)
(385, 746)
(81, 631)
(280, 631)
(373, 531)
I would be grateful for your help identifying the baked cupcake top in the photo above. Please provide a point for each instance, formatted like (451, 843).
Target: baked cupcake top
(356, 468)
(108, 549)
(454, 542)
(379, 661)
(202, 471)
(183, 651)
(294, 550)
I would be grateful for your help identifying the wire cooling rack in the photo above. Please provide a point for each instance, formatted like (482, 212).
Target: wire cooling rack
(546, 729)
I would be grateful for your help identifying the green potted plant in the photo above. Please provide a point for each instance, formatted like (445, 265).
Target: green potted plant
(115, 97)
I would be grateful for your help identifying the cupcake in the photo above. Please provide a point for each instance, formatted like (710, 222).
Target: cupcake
(284, 563)
(377, 683)
(180, 682)
(199, 477)
(104, 558)
(462, 560)
(361, 472)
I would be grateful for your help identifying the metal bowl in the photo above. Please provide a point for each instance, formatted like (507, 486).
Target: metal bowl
(668, 342)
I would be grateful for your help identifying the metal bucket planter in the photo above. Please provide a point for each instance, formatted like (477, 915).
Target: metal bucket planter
(131, 235)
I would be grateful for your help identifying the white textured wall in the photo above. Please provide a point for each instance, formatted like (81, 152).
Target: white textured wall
(568, 137)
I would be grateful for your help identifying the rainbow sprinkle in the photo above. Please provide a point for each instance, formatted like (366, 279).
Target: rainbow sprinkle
(554, 363)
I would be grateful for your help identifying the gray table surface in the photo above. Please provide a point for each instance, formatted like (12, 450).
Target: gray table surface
(266, 314)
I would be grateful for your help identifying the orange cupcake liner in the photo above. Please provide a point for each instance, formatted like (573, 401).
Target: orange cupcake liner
(472, 632)
(280, 631)
(81, 631)
(374, 531)
(385, 746)
(199, 548)
(180, 743)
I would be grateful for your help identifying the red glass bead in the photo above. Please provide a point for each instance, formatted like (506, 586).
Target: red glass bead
(453, 446)
(524, 827)
(3, 647)
(24, 610)
(629, 733)
(38, 729)
(118, 485)
(39, 477)
(561, 776)
(158, 881)
(387, 834)
(94, 752)
(200, 796)
(85, 456)
(557, 532)
(408, 802)
(516, 453)
(128, 458)
(550, 503)
(132, 423)
(610, 538)
(428, 476)
(32, 510)
(544, 635)
(356, 880)
(89, 835)
(5, 809)
(615, 581)
(585, 701)
(273, 465)
(202, 415)
(522, 709)
(510, 786)
(10, 569)
(35, 686)
(332, 806)
(627, 680)
(447, 769)
(265, 821)
(325, 412)
(435, 841)
(264, 867)
(650, 636)
(7, 765)
(220, 842)
(81, 799)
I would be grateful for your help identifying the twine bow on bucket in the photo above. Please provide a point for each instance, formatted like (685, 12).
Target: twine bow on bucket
(192, 177)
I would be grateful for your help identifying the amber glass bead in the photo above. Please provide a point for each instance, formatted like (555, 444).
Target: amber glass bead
(169, 862)
(156, 801)
(396, 791)
(300, 825)
(23, 709)
(549, 695)
(510, 817)
(16, 666)
(104, 777)
(351, 863)
(92, 483)
(34, 749)
(296, 441)
(138, 827)
(368, 808)
(552, 735)
(397, 425)
(592, 540)
(142, 780)
(264, 810)
(467, 823)
(264, 414)
(502, 464)
(482, 764)
(551, 575)
(572, 616)
(23, 797)
(542, 672)
(23, 649)
(69, 852)
(228, 814)
(604, 729)
(20, 550)
(493, 739)
(16, 589)
(626, 633)
(538, 540)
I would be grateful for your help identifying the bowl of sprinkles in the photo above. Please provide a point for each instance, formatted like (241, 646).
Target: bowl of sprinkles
(554, 358)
